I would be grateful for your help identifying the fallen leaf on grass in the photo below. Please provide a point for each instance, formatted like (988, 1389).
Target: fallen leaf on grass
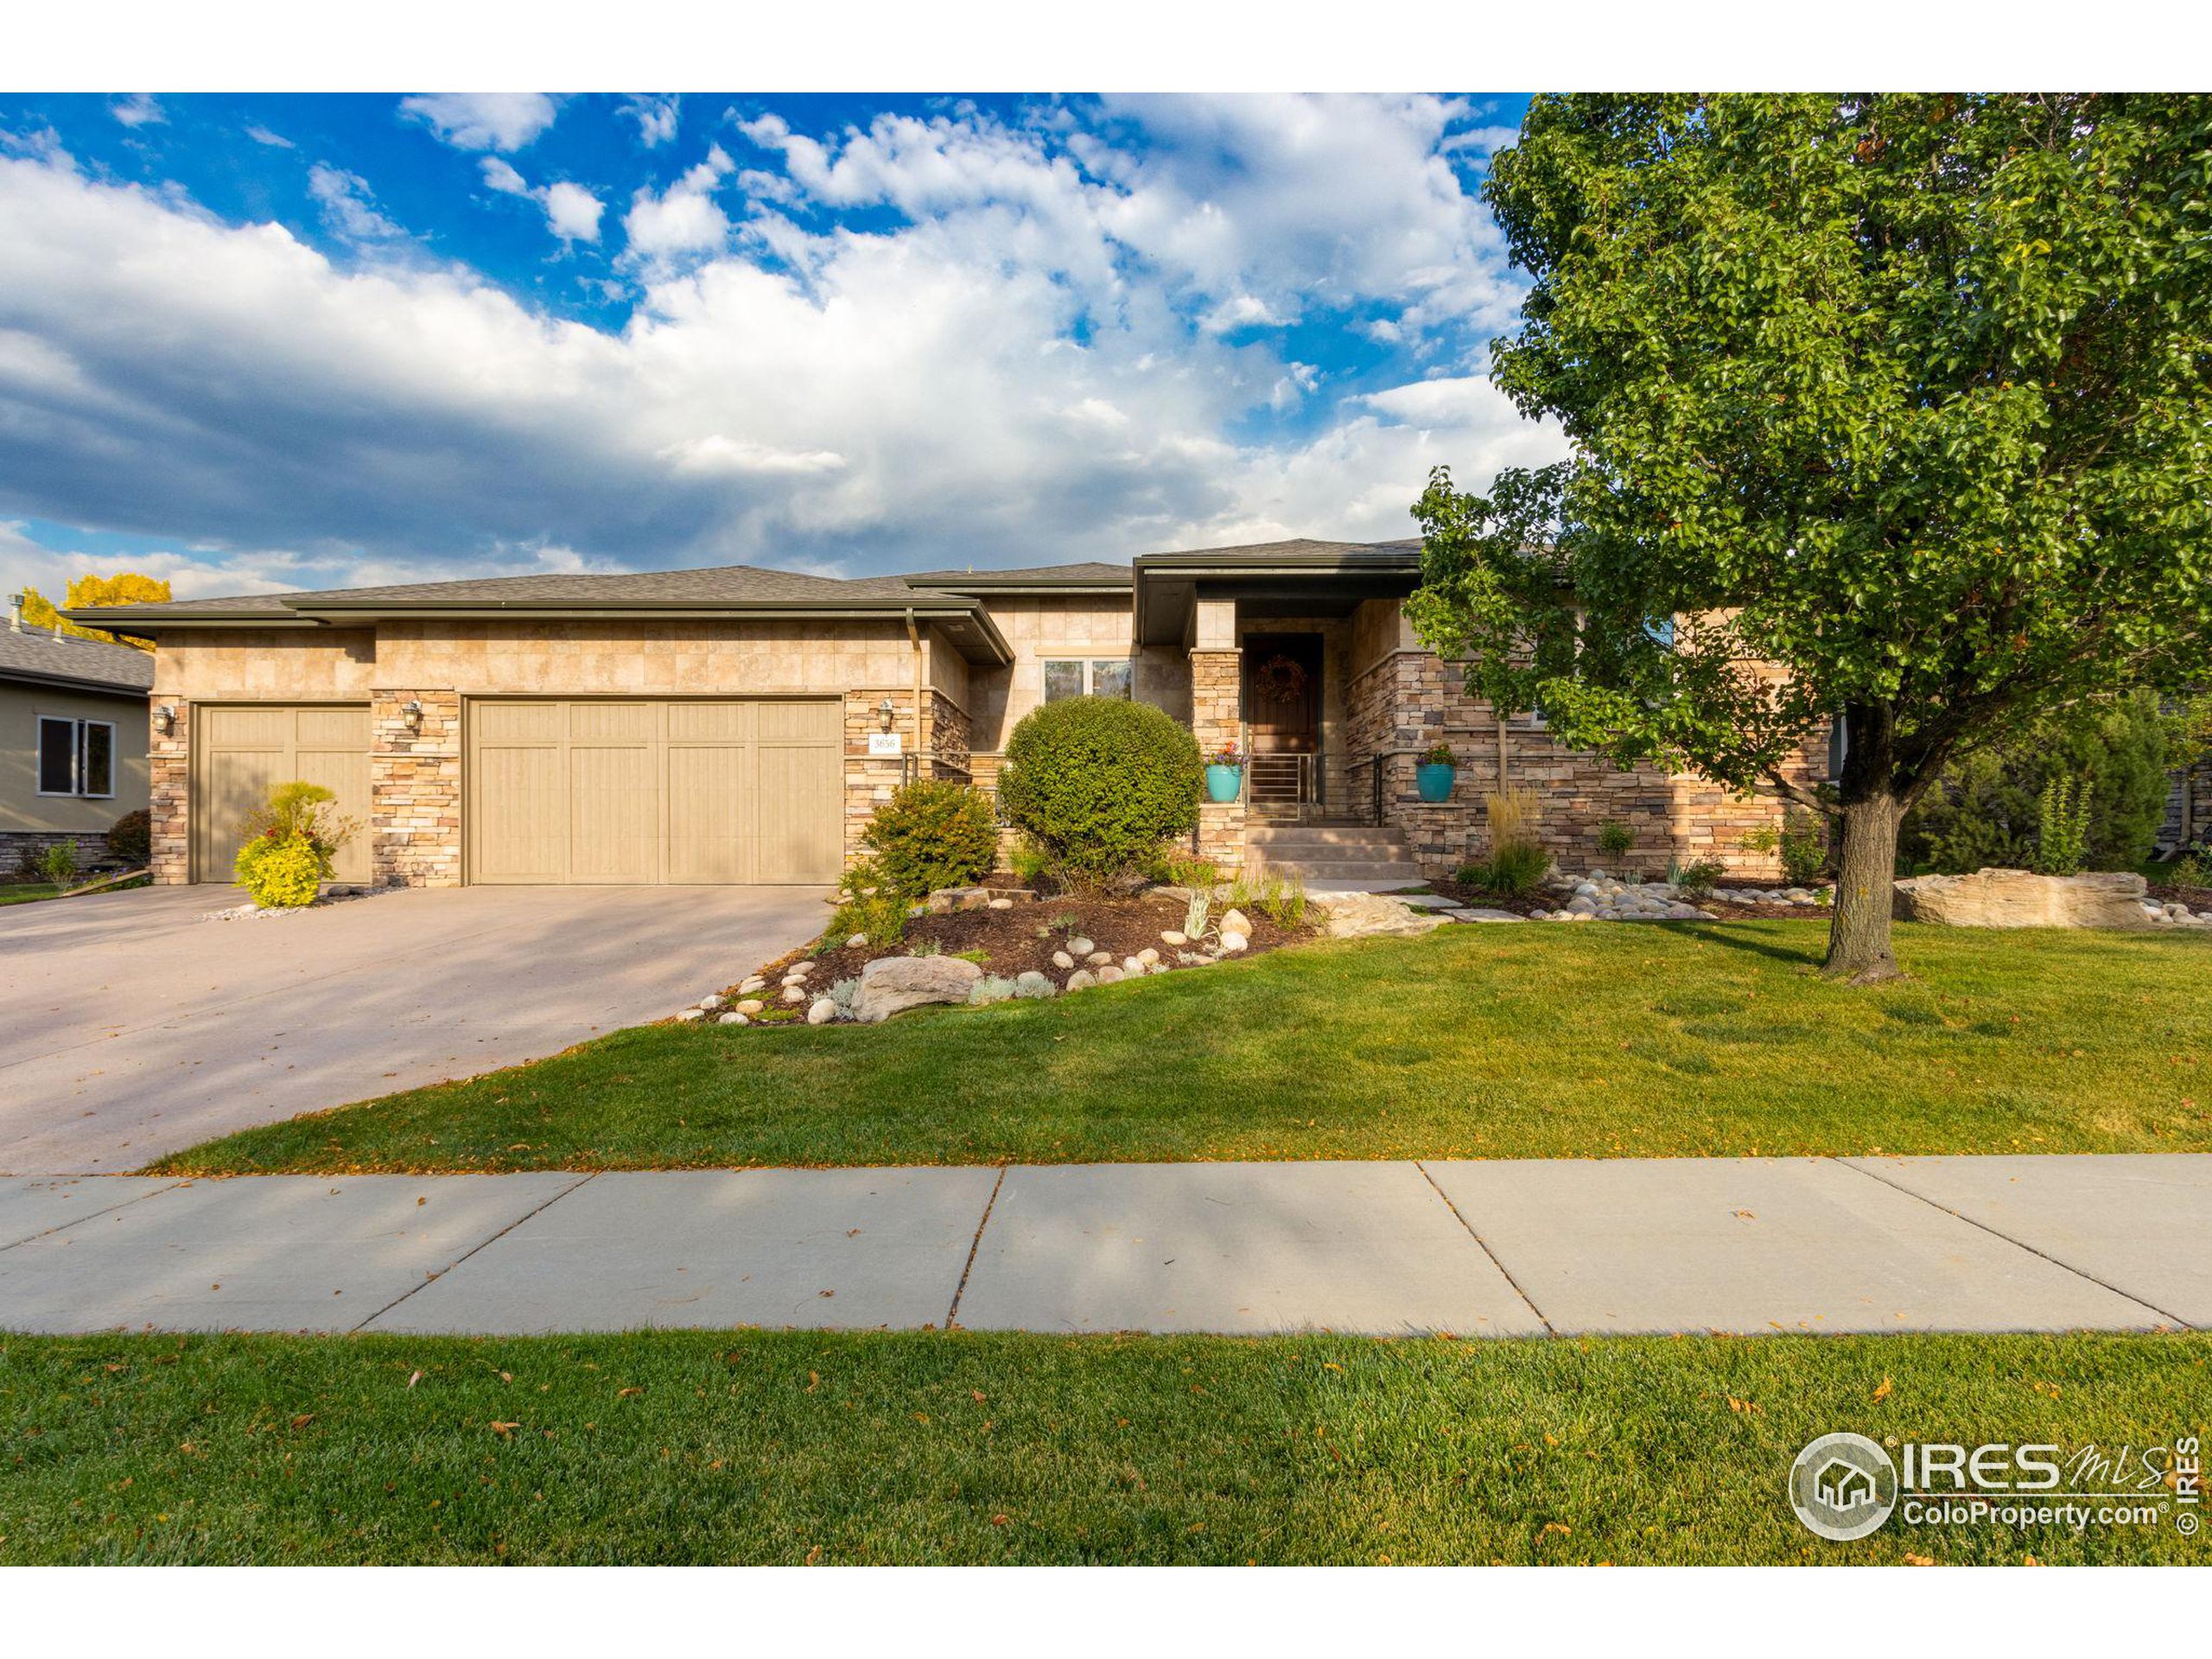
(504, 1430)
(1886, 1390)
(1919, 1561)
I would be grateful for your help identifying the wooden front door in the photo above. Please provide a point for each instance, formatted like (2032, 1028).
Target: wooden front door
(1282, 692)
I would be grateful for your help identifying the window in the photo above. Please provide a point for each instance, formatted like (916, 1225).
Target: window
(1071, 678)
(76, 757)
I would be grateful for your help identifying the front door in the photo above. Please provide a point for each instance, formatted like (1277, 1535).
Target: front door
(1282, 713)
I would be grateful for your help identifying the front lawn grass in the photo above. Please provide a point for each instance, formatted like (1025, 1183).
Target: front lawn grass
(1497, 1041)
(25, 892)
(747, 1446)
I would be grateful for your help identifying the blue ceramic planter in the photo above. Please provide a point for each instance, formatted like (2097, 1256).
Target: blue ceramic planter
(1224, 782)
(1434, 780)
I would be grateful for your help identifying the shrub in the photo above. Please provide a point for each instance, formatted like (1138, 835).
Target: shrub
(1284, 901)
(866, 904)
(58, 863)
(1030, 862)
(1169, 865)
(282, 872)
(1615, 838)
(2061, 827)
(932, 834)
(1695, 879)
(1983, 811)
(1439, 754)
(1514, 871)
(131, 839)
(1801, 842)
(1098, 783)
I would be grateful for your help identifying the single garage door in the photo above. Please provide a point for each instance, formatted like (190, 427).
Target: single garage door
(635, 792)
(240, 749)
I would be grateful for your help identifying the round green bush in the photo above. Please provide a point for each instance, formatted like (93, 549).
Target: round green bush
(131, 839)
(282, 872)
(1098, 783)
(933, 833)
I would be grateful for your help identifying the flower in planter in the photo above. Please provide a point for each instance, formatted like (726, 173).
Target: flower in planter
(1227, 755)
(1438, 755)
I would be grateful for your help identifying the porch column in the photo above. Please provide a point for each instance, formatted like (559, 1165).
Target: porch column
(1217, 720)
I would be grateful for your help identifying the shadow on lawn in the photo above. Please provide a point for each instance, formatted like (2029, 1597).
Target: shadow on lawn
(1726, 937)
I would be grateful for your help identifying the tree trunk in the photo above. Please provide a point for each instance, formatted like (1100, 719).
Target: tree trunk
(1866, 862)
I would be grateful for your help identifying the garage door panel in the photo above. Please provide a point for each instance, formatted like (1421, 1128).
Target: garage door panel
(521, 815)
(241, 750)
(706, 791)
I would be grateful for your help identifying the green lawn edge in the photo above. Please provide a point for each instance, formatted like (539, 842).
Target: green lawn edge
(1531, 1041)
(756, 1446)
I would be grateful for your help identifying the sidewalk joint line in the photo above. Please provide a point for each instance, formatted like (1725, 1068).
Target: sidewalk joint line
(2017, 1243)
(121, 1204)
(974, 1245)
(1487, 1251)
(454, 1264)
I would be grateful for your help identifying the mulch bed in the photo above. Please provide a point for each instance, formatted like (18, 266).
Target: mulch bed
(1010, 939)
(2198, 899)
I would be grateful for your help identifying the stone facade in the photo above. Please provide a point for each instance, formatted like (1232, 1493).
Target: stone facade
(414, 827)
(20, 848)
(169, 787)
(2189, 809)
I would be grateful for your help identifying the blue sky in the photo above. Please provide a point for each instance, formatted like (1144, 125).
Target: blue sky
(272, 342)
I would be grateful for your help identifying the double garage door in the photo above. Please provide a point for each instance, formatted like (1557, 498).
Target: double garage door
(612, 790)
(628, 791)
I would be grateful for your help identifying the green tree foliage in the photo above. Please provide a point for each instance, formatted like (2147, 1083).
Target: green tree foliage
(933, 833)
(1984, 807)
(1904, 396)
(1098, 783)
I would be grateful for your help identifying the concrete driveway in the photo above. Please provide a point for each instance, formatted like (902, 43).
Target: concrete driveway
(130, 1028)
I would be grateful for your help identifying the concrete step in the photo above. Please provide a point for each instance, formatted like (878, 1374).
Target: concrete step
(1302, 835)
(1322, 872)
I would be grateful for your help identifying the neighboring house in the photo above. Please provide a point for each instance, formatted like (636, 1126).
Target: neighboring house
(72, 740)
(742, 725)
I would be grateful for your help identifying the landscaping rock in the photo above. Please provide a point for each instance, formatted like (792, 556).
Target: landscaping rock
(1061, 959)
(822, 1012)
(711, 1004)
(753, 984)
(1232, 942)
(1081, 980)
(1148, 956)
(1132, 966)
(1236, 921)
(1099, 958)
(733, 1020)
(1080, 947)
(797, 992)
(891, 985)
(857, 941)
(691, 1014)
(1002, 903)
(1478, 914)
(1368, 915)
(1171, 936)
(1033, 985)
(752, 1005)
(1110, 975)
(1999, 898)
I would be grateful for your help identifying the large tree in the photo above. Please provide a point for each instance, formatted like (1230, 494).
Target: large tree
(125, 587)
(1892, 410)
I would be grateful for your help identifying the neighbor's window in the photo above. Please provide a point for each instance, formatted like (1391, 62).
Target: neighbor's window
(1103, 678)
(76, 757)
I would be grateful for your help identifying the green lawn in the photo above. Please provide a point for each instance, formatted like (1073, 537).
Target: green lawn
(791, 1447)
(1497, 1041)
(24, 892)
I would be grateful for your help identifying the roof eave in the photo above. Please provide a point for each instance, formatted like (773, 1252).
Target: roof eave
(73, 682)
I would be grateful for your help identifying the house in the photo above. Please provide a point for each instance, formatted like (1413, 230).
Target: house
(72, 740)
(740, 724)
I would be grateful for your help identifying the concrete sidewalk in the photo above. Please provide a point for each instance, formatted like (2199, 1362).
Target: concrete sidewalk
(1491, 1249)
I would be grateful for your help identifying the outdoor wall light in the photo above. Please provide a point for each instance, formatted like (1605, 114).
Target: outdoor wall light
(413, 713)
(165, 719)
(885, 712)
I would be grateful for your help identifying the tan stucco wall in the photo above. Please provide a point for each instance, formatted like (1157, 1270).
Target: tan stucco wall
(266, 665)
(1041, 628)
(21, 807)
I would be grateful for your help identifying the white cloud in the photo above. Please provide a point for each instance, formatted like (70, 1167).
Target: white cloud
(349, 206)
(572, 212)
(261, 135)
(483, 120)
(686, 218)
(1016, 372)
(656, 118)
(139, 110)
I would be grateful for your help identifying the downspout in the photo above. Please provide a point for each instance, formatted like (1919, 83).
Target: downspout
(914, 638)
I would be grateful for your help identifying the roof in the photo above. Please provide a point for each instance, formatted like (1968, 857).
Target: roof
(43, 657)
(1030, 579)
(725, 590)
(1298, 577)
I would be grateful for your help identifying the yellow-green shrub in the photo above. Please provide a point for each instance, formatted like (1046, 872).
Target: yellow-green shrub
(283, 872)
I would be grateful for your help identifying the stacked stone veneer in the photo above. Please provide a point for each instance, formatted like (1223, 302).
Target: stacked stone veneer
(2189, 808)
(168, 765)
(1217, 721)
(1412, 699)
(414, 827)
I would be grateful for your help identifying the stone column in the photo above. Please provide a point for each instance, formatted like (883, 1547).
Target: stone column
(414, 826)
(168, 767)
(1217, 720)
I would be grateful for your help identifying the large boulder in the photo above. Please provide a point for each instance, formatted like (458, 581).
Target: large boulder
(1368, 915)
(2023, 899)
(891, 985)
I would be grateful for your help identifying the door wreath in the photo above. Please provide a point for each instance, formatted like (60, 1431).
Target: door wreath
(1280, 679)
